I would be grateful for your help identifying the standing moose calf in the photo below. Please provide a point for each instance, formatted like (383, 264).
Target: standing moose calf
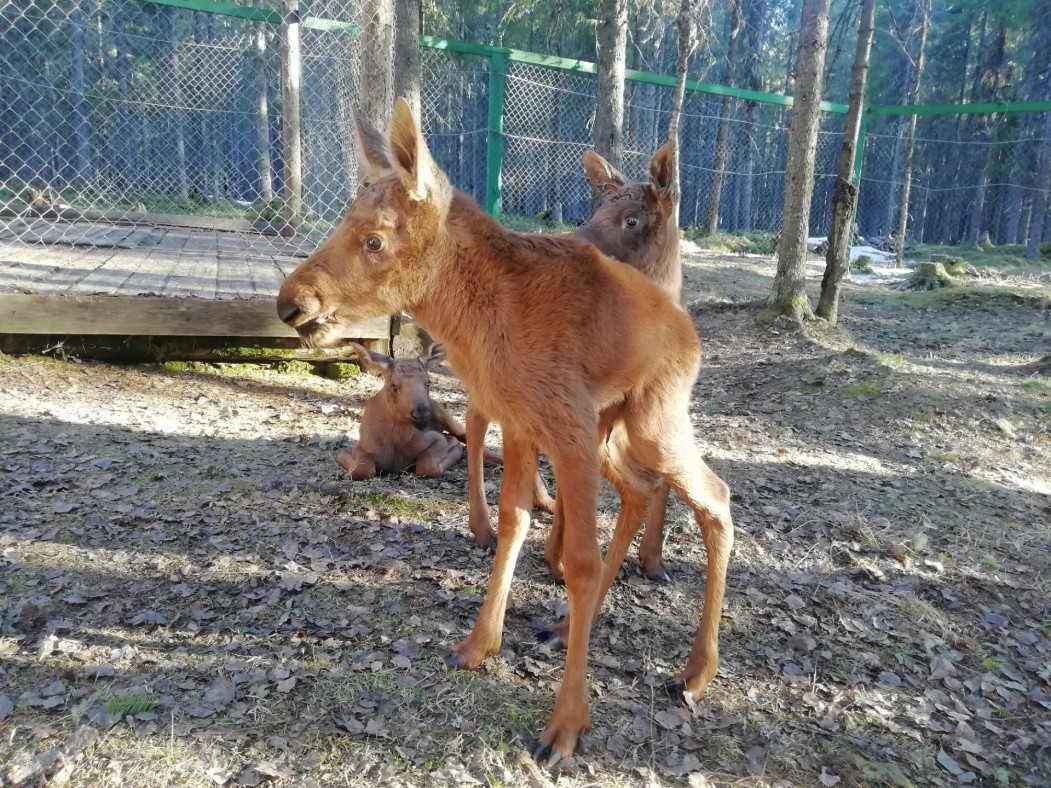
(554, 341)
(637, 225)
(401, 426)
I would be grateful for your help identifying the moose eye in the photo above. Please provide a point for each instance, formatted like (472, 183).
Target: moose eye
(374, 243)
(393, 388)
(631, 221)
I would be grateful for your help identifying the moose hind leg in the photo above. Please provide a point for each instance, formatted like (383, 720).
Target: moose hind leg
(651, 548)
(670, 450)
(634, 500)
(478, 508)
(439, 457)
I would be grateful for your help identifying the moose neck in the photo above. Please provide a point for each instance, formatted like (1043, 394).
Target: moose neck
(460, 298)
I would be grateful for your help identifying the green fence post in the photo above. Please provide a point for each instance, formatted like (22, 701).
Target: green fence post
(859, 151)
(495, 137)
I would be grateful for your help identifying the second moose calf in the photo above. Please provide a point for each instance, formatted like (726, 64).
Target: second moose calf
(401, 426)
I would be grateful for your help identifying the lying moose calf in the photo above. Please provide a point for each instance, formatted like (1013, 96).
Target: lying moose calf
(401, 425)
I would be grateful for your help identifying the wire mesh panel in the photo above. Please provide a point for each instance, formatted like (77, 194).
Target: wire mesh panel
(752, 171)
(972, 176)
(121, 110)
(118, 111)
(547, 126)
(455, 104)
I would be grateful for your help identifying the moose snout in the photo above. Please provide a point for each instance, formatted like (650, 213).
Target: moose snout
(420, 416)
(296, 306)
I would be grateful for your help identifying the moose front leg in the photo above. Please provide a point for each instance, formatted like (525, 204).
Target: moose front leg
(515, 503)
(357, 462)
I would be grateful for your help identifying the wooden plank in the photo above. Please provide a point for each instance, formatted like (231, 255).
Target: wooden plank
(161, 261)
(12, 229)
(54, 269)
(24, 266)
(197, 269)
(268, 277)
(130, 349)
(108, 278)
(234, 275)
(144, 316)
(69, 276)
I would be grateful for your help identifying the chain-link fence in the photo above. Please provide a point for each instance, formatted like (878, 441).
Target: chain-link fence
(119, 111)
(455, 100)
(974, 175)
(147, 111)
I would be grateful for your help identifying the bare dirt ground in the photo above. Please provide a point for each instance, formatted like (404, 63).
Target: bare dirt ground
(191, 593)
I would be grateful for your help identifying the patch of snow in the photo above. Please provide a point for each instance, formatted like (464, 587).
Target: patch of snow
(877, 255)
(881, 274)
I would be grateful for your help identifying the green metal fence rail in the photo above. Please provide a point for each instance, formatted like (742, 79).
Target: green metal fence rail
(208, 121)
(500, 57)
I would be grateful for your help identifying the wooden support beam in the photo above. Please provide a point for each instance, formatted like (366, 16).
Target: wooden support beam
(156, 317)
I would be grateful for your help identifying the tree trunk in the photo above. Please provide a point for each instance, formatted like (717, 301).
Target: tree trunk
(204, 32)
(754, 19)
(609, 97)
(687, 40)
(171, 92)
(265, 172)
(291, 141)
(81, 132)
(376, 86)
(1040, 198)
(715, 190)
(788, 296)
(986, 90)
(407, 56)
(846, 191)
(126, 164)
(924, 10)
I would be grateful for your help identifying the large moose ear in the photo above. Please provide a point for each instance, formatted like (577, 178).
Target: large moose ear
(604, 177)
(411, 157)
(434, 356)
(373, 153)
(660, 170)
(376, 363)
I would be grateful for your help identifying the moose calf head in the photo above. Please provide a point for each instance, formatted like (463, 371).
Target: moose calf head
(377, 260)
(407, 382)
(636, 223)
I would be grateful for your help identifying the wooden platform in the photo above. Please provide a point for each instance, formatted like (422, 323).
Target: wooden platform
(115, 280)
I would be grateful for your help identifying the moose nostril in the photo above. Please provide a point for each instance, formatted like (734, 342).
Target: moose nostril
(288, 312)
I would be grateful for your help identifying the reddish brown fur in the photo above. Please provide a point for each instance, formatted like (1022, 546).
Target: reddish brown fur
(554, 341)
(636, 224)
(401, 426)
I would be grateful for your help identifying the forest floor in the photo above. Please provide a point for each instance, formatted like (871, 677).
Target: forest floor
(192, 593)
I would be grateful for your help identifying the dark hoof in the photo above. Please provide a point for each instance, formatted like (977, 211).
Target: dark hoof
(453, 661)
(487, 544)
(543, 753)
(660, 576)
(557, 575)
(545, 633)
(676, 688)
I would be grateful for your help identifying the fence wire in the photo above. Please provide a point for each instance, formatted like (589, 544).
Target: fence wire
(116, 111)
(128, 110)
(973, 176)
(454, 116)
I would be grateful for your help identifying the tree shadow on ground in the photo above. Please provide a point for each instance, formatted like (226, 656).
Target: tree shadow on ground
(178, 573)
